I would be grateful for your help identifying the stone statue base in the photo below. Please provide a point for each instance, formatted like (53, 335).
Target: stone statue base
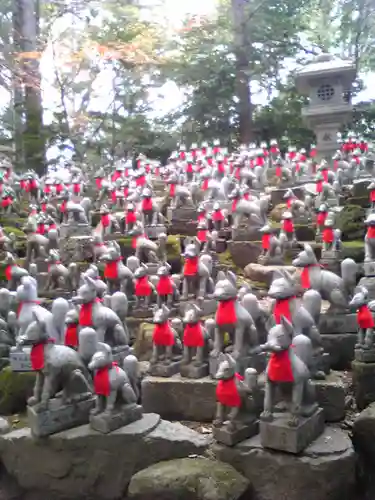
(119, 353)
(369, 268)
(181, 214)
(192, 371)
(363, 383)
(208, 306)
(278, 260)
(331, 260)
(278, 435)
(142, 312)
(245, 428)
(152, 232)
(336, 322)
(364, 355)
(106, 423)
(247, 233)
(74, 229)
(19, 359)
(59, 416)
(165, 370)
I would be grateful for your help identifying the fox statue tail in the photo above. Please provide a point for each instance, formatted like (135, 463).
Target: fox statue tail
(349, 275)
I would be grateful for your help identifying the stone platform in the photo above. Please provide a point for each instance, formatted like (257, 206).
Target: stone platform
(325, 470)
(338, 323)
(178, 398)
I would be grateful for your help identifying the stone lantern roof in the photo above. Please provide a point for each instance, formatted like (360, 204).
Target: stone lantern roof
(325, 66)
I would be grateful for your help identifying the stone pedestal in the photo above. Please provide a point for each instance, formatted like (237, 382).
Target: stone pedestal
(182, 214)
(338, 323)
(247, 233)
(165, 370)
(331, 261)
(106, 423)
(74, 229)
(363, 383)
(278, 435)
(20, 359)
(364, 355)
(245, 428)
(153, 232)
(142, 312)
(59, 416)
(208, 306)
(194, 372)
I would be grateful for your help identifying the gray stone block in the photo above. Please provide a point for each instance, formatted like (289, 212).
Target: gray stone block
(278, 435)
(364, 355)
(195, 372)
(244, 430)
(106, 423)
(153, 232)
(363, 383)
(338, 323)
(165, 370)
(58, 416)
(20, 360)
(340, 347)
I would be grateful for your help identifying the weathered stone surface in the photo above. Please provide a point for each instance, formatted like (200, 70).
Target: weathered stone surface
(338, 323)
(363, 383)
(340, 347)
(188, 479)
(244, 252)
(324, 470)
(4, 426)
(82, 463)
(15, 388)
(364, 434)
(330, 394)
(264, 274)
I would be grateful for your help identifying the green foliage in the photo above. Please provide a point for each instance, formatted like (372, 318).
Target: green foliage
(15, 388)
(350, 222)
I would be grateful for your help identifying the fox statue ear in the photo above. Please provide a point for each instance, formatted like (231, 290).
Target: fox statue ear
(308, 249)
(287, 325)
(220, 276)
(232, 278)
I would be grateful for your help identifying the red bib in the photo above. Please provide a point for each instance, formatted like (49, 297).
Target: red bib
(372, 195)
(328, 235)
(220, 167)
(278, 171)
(5, 202)
(98, 182)
(205, 185)
(43, 207)
(111, 270)
(101, 380)
(279, 367)
(8, 272)
(41, 229)
(234, 204)
(130, 218)
(201, 217)
(140, 181)
(217, 216)
(163, 334)
(37, 355)
(191, 266)
(288, 226)
(305, 276)
(227, 393)
(63, 206)
(282, 308)
(85, 314)
(47, 189)
(266, 241)
(193, 335)
(370, 232)
(319, 186)
(237, 173)
(147, 204)
(114, 196)
(142, 287)
(164, 286)
(71, 335)
(364, 317)
(335, 165)
(116, 175)
(321, 218)
(325, 175)
(33, 184)
(189, 168)
(105, 220)
(202, 235)
(76, 188)
(172, 189)
(226, 312)
(289, 202)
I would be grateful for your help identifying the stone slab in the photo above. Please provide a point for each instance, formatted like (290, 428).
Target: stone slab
(68, 230)
(244, 430)
(165, 370)
(338, 323)
(325, 470)
(340, 347)
(153, 232)
(59, 416)
(278, 435)
(20, 360)
(364, 355)
(106, 423)
(195, 372)
(363, 383)
(208, 306)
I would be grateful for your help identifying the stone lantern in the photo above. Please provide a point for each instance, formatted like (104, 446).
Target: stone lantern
(326, 81)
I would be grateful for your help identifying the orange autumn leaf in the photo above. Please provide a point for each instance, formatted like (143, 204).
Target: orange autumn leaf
(29, 55)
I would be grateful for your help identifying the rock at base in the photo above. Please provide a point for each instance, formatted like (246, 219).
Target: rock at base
(105, 423)
(340, 347)
(363, 383)
(82, 463)
(195, 372)
(246, 428)
(188, 479)
(325, 470)
(58, 416)
(338, 323)
(265, 274)
(364, 434)
(365, 355)
(278, 435)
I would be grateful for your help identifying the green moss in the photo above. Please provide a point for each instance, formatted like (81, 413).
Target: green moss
(350, 222)
(173, 247)
(18, 421)
(354, 244)
(15, 388)
(17, 232)
(226, 260)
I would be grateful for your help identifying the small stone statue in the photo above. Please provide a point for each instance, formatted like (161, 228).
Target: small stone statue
(364, 348)
(166, 288)
(164, 338)
(320, 220)
(273, 248)
(59, 276)
(117, 275)
(130, 218)
(238, 403)
(116, 396)
(217, 217)
(13, 272)
(328, 236)
(287, 228)
(150, 212)
(108, 223)
(370, 239)
(144, 290)
(371, 188)
(196, 343)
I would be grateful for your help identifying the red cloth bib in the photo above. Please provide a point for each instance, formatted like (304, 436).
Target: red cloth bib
(114, 196)
(47, 189)
(63, 206)
(98, 182)
(85, 314)
(266, 241)
(140, 181)
(163, 335)
(71, 335)
(33, 184)
(289, 202)
(111, 270)
(5, 202)
(172, 189)
(335, 165)
(191, 266)
(201, 217)
(325, 175)
(370, 232)
(227, 393)
(101, 380)
(288, 226)
(189, 168)
(41, 229)
(116, 175)
(43, 207)
(202, 235)
(364, 317)
(282, 308)
(237, 173)
(164, 286)
(234, 204)
(372, 195)
(321, 218)
(328, 235)
(220, 167)
(76, 188)
(130, 218)
(147, 204)
(105, 220)
(226, 312)
(319, 186)
(205, 185)
(193, 335)
(278, 171)
(8, 272)
(305, 276)
(217, 216)
(37, 355)
(142, 287)
(279, 367)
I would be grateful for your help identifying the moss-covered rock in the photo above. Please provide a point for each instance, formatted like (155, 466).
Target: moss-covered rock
(277, 212)
(350, 222)
(354, 250)
(18, 233)
(143, 342)
(15, 388)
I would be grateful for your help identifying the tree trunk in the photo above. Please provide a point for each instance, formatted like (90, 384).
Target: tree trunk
(34, 140)
(241, 48)
(17, 94)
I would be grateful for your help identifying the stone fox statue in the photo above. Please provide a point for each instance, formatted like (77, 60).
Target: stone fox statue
(365, 318)
(233, 318)
(58, 367)
(370, 238)
(112, 384)
(331, 287)
(288, 365)
(117, 275)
